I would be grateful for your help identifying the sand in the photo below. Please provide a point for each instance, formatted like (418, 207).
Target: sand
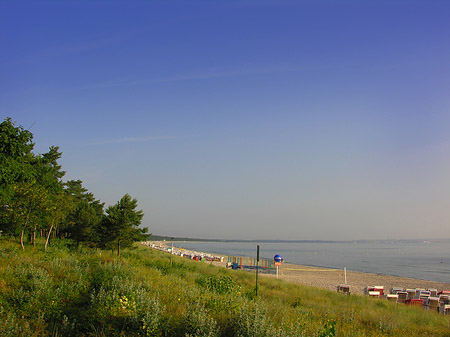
(331, 278)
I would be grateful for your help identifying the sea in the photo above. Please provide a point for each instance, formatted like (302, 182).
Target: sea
(425, 260)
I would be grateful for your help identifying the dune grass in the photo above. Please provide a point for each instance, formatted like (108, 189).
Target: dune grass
(94, 293)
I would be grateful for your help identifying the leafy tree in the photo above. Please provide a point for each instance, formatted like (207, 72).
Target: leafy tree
(33, 196)
(120, 225)
(15, 157)
(24, 207)
(28, 183)
(61, 205)
(49, 175)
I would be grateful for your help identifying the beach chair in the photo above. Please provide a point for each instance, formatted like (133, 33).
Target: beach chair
(433, 304)
(395, 290)
(380, 289)
(373, 291)
(411, 293)
(418, 291)
(416, 302)
(445, 309)
(374, 294)
(392, 298)
(444, 299)
(343, 289)
(424, 295)
(444, 292)
(433, 292)
(367, 289)
(402, 296)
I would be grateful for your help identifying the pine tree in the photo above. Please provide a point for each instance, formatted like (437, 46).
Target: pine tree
(121, 224)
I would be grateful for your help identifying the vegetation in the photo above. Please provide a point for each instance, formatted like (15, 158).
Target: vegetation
(63, 292)
(56, 281)
(34, 200)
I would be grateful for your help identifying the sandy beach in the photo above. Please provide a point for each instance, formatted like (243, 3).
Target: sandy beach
(331, 278)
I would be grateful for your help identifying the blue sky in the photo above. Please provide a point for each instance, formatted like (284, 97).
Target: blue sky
(243, 119)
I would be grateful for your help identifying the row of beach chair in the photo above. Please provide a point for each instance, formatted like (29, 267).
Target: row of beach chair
(429, 299)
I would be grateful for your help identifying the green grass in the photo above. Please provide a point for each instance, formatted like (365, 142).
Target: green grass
(94, 293)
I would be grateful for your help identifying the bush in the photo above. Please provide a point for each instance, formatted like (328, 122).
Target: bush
(251, 321)
(11, 326)
(219, 284)
(198, 323)
(66, 293)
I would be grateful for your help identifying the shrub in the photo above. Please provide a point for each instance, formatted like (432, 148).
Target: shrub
(198, 323)
(12, 326)
(219, 284)
(123, 305)
(252, 321)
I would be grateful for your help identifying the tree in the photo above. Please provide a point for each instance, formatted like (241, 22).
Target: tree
(121, 224)
(47, 170)
(15, 158)
(87, 213)
(24, 208)
(28, 182)
(60, 206)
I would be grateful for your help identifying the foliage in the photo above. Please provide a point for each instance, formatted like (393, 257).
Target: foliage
(15, 153)
(121, 224)
(94, 293)
(329, 330)
(219, 284)
(85, 216)
(29, 183)
(35, 200)
(28, 200)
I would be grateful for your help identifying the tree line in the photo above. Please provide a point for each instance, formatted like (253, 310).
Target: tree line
(36, 202)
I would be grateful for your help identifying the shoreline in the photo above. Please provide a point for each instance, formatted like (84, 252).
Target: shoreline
(329, 279)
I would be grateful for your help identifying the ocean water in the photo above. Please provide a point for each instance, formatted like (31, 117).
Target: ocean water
(426, 260)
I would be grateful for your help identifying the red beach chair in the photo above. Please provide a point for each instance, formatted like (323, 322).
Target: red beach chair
(416, 302)
(343, 289)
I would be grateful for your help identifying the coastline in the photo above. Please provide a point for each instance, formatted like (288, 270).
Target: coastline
(330, 278)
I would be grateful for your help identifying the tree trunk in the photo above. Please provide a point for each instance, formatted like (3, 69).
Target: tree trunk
(118, 247)
(23, 230)
(48, 237)
(34, 237)
(21, 240)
